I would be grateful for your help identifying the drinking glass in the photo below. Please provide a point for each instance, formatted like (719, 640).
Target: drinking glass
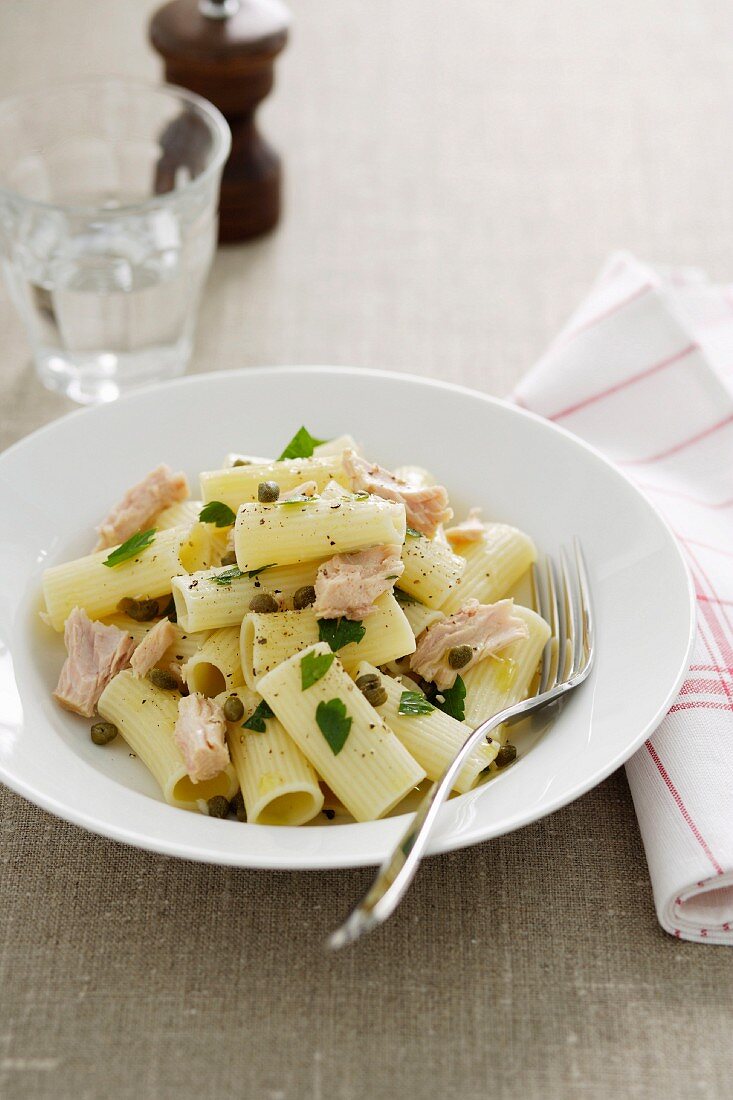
(108, 222)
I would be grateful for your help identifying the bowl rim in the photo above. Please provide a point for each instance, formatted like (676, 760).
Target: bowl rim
(167, 845)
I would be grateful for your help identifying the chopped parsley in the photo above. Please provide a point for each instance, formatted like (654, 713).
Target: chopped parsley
(414, 702)
(340, 632)
(129, 549)
(333, 723)
(411, 533)
(302, 445)
(217, 512)
(454, 700)
(404, 597)
(233, 573)
(258, 717)
(313, 666)
(224, 580)
(256, 572)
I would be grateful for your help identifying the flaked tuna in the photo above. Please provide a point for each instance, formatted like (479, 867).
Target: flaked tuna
(200, 734)
(151, 650)
(141, 504)
(95, 654)
(426, 506)
(348, 584)
(470, 530)
(485, 628)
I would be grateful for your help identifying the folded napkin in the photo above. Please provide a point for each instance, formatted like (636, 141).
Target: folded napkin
(644, 372)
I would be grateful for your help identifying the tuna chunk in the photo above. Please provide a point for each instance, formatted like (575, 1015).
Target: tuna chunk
(348, 584)
(151, 649)
(140, 505)
(470, 530)
(307, 489)
(200, 735)
(96, 653)
(426, 506)
(486, 628)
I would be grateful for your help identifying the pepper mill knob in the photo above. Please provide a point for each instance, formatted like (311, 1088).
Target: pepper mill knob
(225, 51)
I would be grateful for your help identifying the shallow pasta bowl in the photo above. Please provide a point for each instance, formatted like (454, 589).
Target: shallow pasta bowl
(55, 485)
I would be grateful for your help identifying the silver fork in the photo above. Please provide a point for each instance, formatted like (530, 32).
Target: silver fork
(562, 597)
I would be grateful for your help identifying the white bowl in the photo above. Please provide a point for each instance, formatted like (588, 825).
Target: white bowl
(56, 484)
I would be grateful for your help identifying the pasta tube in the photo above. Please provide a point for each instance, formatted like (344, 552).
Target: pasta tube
(215, 666)
(203, 604)
(238, 484)
(98, 589)
(493, 565)
(146, 717)
(432, 570)
(505, 679)
(181, 514)
(419, 616)
(282, 534)
(433, 739)
(278, 784)
(342, 735)
(268, 640)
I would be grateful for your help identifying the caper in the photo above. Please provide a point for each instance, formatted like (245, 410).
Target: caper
(263, 603)
(142, 611)
(506, 754)
(304, 597)
(170, 611)
(233, 709)
(241, 462)
(267, 492)
(163, 679)
(229, 559)
(372, 688)
(218, 806)
(237, 806)
(459, 655)
(103, 732)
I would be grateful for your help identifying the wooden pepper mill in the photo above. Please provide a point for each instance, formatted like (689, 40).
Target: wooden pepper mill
(225, 51)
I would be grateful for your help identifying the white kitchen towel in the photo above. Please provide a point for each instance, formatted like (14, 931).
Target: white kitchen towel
(644, 371)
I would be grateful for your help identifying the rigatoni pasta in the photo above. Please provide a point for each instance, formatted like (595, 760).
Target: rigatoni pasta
(146, 716)
(287, 532)
(363, 762)
(278, 785)
(268, 640)
(328, 639)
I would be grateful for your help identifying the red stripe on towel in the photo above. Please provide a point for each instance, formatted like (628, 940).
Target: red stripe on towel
(626, 382)
(679, 446)
(682, 808)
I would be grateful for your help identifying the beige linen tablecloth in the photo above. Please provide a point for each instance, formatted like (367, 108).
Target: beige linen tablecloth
(456, 174)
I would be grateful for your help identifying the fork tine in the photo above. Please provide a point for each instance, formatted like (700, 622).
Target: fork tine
(553, 618)
(561, 625)
(542, 607)
(574, 631)
(586, 609)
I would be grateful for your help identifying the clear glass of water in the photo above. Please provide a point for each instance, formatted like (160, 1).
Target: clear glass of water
(108, 222)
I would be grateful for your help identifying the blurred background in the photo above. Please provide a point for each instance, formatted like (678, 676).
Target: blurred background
(455, 174)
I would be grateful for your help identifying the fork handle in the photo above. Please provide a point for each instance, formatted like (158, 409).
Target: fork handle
(398, 870)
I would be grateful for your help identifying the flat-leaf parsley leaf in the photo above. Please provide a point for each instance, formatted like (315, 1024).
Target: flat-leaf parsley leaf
(454, 700)
(413, 702)
(333, 723)
(339, 632)
(217, 512)
(302, 445)
(258, 717)
(129, 549)
(313, 666)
